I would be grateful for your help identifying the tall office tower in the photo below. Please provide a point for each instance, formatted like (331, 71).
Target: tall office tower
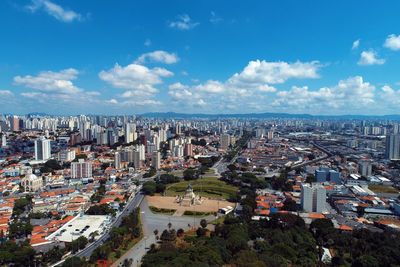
(112, 137)
(188, 151)
(156, 160)
(137, 162)
(225, 141)
(365, 168)
(14, 123)
(130, 132)
(150, 148)
(393, 147)
(42, 149)
(81, 169)
(117, 160)
(313, 198)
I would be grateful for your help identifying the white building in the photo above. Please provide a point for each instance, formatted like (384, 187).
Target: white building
(81, 169)
(66, 155)
(313, 198)
(42, 149)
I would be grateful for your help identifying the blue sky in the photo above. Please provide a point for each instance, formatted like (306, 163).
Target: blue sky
(125, 57)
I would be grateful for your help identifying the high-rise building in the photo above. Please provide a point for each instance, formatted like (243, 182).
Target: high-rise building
(81, 169)
(130, 133)
(42, 149)
(3, 140)
(137, 162)
(313, 198)
(188, 151)
(14, 122)
(156, 160)
(225, 141)
(393, 147)
(117, 160)
(365, 168)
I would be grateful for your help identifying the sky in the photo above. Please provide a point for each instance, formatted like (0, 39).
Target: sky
(128, 57)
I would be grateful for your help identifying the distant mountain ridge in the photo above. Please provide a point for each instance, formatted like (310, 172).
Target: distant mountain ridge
(265, 115)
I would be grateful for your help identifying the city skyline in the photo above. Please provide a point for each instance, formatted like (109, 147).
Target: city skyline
(75, 57)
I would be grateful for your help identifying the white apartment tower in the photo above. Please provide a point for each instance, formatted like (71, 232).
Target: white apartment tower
(42, 149)
(313, 198)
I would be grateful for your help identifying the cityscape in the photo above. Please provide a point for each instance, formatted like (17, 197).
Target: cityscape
(197, 135)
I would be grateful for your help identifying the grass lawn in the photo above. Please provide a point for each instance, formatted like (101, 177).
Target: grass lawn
(162, 211)
(378, 188)
(207, 187)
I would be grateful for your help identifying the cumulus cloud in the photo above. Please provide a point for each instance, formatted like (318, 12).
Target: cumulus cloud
(54, 10)
(139, 82)
(248, 86)
(370, 57)
(392, 42)
(158, 56)
(183, 22)
(356, 44)
(50, 81)
(261, 72)
(352, 93)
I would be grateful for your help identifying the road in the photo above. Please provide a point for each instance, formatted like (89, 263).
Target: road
(150, 222)
(132, 203)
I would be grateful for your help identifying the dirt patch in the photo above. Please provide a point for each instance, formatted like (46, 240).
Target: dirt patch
(208, 205)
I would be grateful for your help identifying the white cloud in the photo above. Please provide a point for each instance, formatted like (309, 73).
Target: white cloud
(390, 97)
(112, 101)
(392, 42)
(370, 58)
(215, 19)
(134, 77)
(352, 93)
(54, 10)
(210, 86)
(139, 82)
(264, 72)
(49, 81)
(183, 22)
(5, 93)
(356, 44)
(158, 56)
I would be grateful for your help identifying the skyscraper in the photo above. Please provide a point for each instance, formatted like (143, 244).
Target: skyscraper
(393, 147)
(225, 141)
(42, 149)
